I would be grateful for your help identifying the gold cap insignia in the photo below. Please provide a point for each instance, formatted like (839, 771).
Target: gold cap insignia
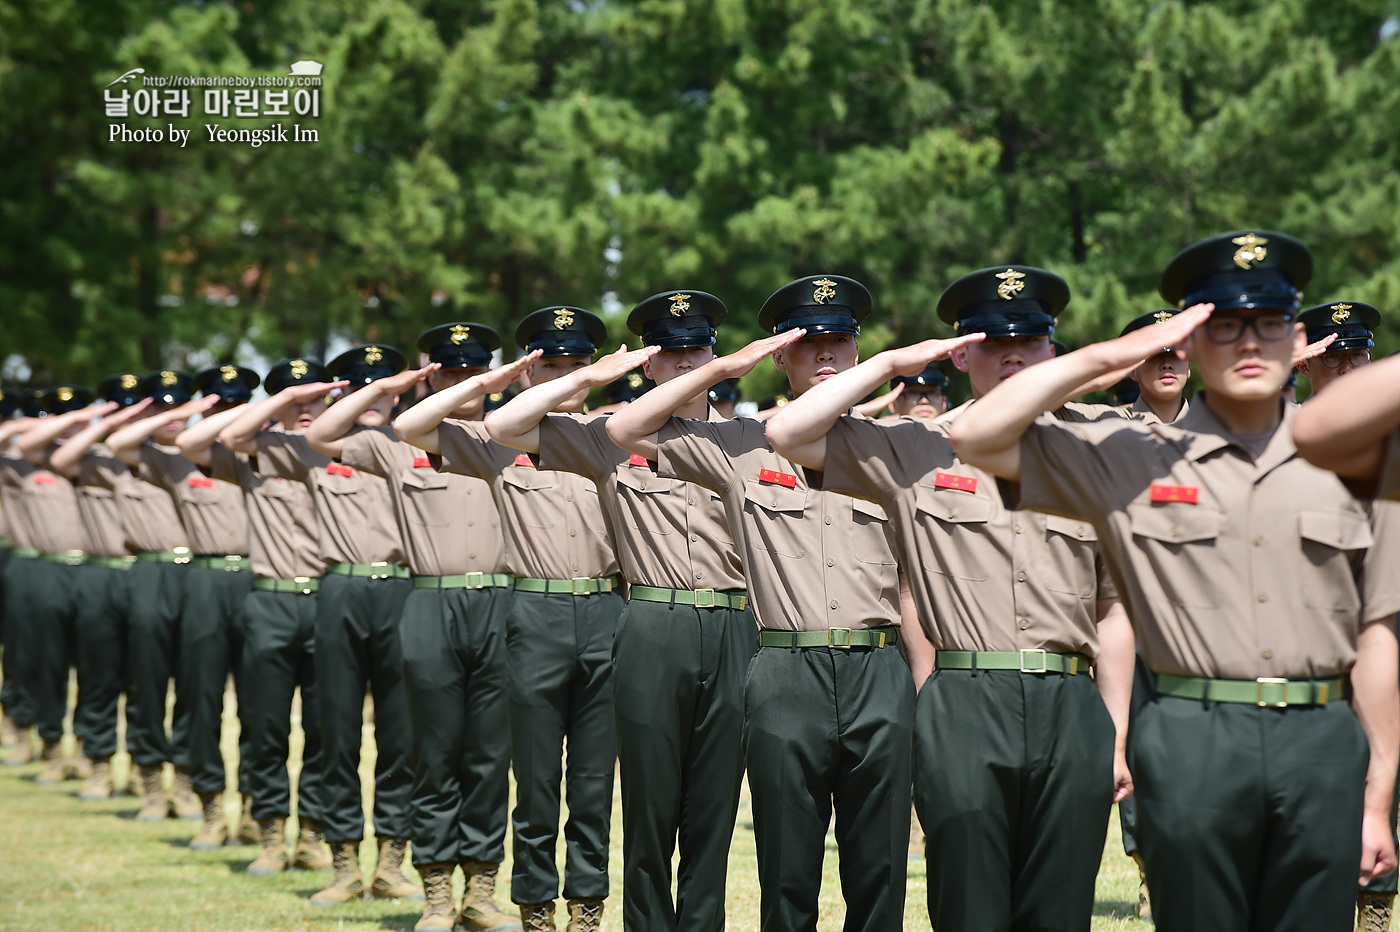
(373, 354)
(680, 303)
(497, 396)
(563, 318)
(1012, 284)
(826, 290)
(1251, 250)
(168, 378)
(299, 368)
(129, 381)
(65, 394)
(1162, 316)
(460, 334)
(634, 380)
(779, 400)
(228, 373)
(1340, 313)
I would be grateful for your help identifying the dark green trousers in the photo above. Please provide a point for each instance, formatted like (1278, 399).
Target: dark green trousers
(211, 647)
(49, 645)
(7, 687)
(1143, 691)
(100, 605)
(678, 682)
(279, 645)
(18, 694)
(157, 593)
(1251, 817)
(454, 677)
(1013, 779)
(357, 645)
(826, 727)
(558, 650)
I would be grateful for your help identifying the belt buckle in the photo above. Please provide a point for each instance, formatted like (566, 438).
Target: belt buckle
(1261, 682)
(701, 602)
(475, 581)
(578, 585)
(833, 641)
(1031, 653)
(233, 563)
(182, 555)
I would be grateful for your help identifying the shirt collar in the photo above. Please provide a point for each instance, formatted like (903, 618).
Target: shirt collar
(1204, 434)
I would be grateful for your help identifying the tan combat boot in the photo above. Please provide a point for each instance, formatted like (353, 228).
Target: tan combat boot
(479, 910)
(585, 915)
(154, 805)
(214, 833)
(183, 800)
(1144, 903)
(52, 756)
(79, 766)
(349, 883)
(99, 785)
(23, 752)
(274, 857)
(1373, 911)
(438, 913)
(311, 853)
(538, 917)
(248, 831)
(133, 785)
(9, 732)
(389, 881)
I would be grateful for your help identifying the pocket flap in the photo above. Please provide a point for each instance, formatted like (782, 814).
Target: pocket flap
(1344, 530)
(642, 480)
(1173, 522)
(775, 498)
(525, 478)
(1071, 527)
(419, 478)
(861, 506)
(952, 506)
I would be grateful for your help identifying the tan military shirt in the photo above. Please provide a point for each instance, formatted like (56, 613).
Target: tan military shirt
(553, 524)
(211, 509)
(1229, 568)
(283, 538)
(10, 485)
(50, 505)
(669, 533)
(353, 511)
(102, 517)
(1080, 413)
(1390, 468)
(814, 559)
(448, 522)
(148, 512)
(984, 577)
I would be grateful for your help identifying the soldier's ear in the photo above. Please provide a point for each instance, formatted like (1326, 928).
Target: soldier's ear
(1302, 368)
(778, 361)
(959, 357)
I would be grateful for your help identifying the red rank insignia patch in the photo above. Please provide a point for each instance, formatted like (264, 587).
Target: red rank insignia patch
(777, 478)
(523, 459)
(636, 459)
(421, 462)
(1188, 494)
(947, 480)
(339, 469)
(43, 479)
(201, 482)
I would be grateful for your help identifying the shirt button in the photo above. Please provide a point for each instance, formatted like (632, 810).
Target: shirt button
(1079, 531)
(1267, 653)
(568, 499)
(642, 484)
(694, 538)
(828, 519)
(1175, 533)
(471, 524)
(833, 603)
(1024, 624)
(1017, 529)
(775, 505)
(573, 533)
(690, 501)
(472, 555)
(1021, 576)
(1258, 541)
(699, 575)
(830, 562)
(527, 483)
(575, 567)
(1262, 597)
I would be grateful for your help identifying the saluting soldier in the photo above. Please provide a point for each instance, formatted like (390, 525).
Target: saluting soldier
(357, 637)
(48, 636)
(279, 618)
(923, 395)
(1262, 592)
(828, 702)
(17, 694)
(684, 640)
(1354, 430)
(725, 397)
(216, 585)
(1019, 754)
(9, 733)
(453, 632)
(1354, 324)
(560, 627)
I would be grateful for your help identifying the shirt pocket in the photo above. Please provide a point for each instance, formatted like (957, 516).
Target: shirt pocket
(870, 533)
(1329, 539)
(774, 514)
(955, 514)
(273, 487)
(1162, 532)
(424, 494)
(641, 499)
(523, 486)
(1072, 545)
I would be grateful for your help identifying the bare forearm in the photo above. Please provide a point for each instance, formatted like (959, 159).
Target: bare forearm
(327, 433)
(196, 442)
(126, 440)
(634, 427)
(242, 434)
(418, 425)
(34, 443)
(1376, 700)
(68, 458)
(798, 430)
(1114, 665)
(1343, 428)
(516, 424)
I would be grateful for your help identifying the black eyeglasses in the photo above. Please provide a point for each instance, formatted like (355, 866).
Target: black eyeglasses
(1353, 359)
(1267, 327)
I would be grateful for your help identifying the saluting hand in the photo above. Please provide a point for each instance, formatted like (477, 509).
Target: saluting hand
(874, 406)
(310, 391)
(1314, 349)
(500, 378)
(614, 365)
(398, 384)
(913, 359)
(742, 362)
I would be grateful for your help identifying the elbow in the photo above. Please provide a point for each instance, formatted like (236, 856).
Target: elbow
(402, 428)
(615, 428)
(496, 429)
(779, 437)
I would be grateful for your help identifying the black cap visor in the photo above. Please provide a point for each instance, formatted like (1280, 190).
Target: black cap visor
(818, 318)
(561, 345)
(1019, 318)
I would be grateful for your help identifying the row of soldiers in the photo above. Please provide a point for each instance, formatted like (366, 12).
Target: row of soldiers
(782, 579)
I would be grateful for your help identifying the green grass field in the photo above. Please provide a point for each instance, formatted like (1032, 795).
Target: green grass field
(78, 866)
